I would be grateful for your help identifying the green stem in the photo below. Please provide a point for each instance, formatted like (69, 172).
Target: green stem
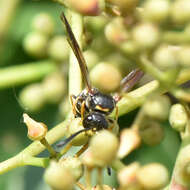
(117, 165)
(21, 74)
(148, 67)
(176, 37)
(53, 153)
(34, 149)
(7, 9)
(34, 161)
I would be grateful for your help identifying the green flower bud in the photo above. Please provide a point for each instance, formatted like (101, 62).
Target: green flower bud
(91, 58)
(32, 97)
(182, 167)
(88, 159)
(104, 146)
(146, 35)
(156, 11)
(127, 175)
(157, 107)
(95, 24)
(58, 48)
(184, 56)
(180, 11)
(35, 44)
(165, 57)
(74, 165)
(153, 176)
(151, 132)
(53, 87)
(75, 126)
(115, 31)
(88, 8)
(58, 177)
(43, 23)
(178, 117)
(106, 77)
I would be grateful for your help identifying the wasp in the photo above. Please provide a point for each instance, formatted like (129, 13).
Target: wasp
(91, 105)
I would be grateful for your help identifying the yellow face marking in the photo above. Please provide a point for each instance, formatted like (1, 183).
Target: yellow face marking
(102, 109)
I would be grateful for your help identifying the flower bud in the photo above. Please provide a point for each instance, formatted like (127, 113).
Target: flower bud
(151, 132)
(127, 175)
(129, 140)
(157, 107)
(58, 48)
(74, 127)
(178, 117)
(104, 187)
(106, 77)
(115, 31)
(32, 97)
(146, 35)
(36, 130)
(95, 24)
(182, 170)
(53, 87)
(165, 57)
(125, 6)
(74, 165)
(35, 44)
(91, 58)
(180, 11)
(43, 23)
(88, 8)
(102, 153)
(156, 11)
(88, 159)
(58, 177)
(184, 56)
(153, 176)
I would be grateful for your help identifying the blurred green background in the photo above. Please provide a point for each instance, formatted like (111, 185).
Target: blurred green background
(12, 130)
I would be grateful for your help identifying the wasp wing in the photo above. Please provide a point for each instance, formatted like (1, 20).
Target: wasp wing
(77, 51)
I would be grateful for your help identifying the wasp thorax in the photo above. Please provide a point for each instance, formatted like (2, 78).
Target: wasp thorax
(101, 102)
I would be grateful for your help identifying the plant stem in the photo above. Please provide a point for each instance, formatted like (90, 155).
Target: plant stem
(117, 165)
(172, 37)
(21, 74)
(7, 9)
(53, 153)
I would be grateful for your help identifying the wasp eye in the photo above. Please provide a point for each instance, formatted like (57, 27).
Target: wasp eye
(89, 118)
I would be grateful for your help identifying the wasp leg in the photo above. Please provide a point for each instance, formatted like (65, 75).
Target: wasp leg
(73, 103)
(83, 149)
(116, 113)
(82, 110)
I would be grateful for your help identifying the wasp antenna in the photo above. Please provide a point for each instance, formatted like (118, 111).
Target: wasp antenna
(63, 143)
(77, 51)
